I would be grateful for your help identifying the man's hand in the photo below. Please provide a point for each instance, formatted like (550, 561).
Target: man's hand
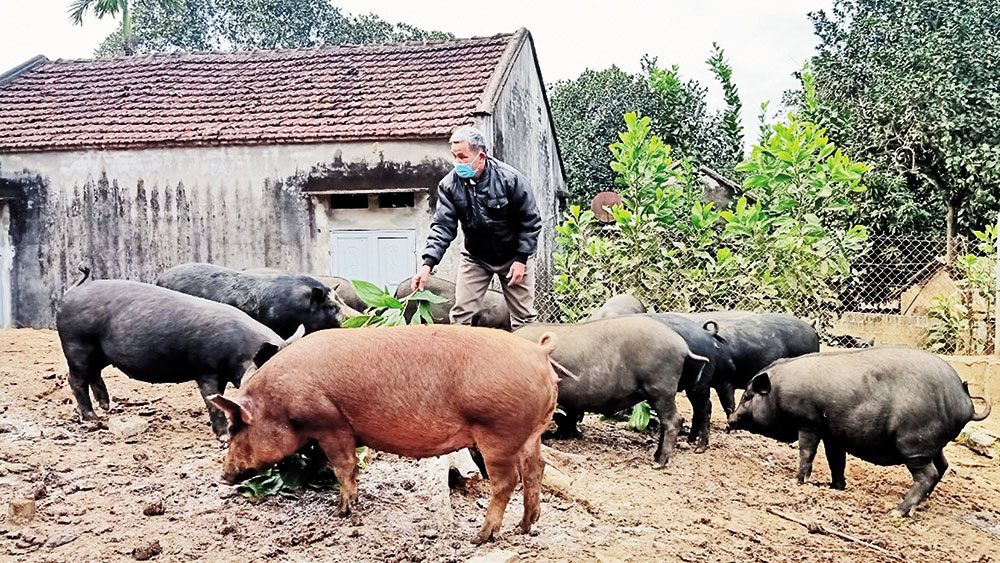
(516, 273)
(417, 281)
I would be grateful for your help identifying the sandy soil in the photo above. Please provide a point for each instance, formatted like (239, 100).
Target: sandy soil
(93, 489)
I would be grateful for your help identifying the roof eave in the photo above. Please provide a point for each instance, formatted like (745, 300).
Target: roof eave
(20, 69)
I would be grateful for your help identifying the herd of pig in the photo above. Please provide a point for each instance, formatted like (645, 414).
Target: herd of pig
(423, 391)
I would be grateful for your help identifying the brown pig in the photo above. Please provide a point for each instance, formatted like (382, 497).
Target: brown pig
(417, 391)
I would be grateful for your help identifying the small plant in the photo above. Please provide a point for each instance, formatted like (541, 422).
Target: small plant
(307, 468)
(385, 310)
(948, 321)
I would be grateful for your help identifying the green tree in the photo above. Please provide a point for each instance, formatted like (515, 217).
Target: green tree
(911, 87)
(789, 250)
(111, 8)
(587, 111)
(224, 25)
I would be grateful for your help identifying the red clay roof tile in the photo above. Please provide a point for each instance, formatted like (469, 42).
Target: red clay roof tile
(288, 96)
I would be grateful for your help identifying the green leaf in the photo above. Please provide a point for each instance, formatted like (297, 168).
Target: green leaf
(373, 296)
(359, 321)
(640, 416)
(427, 295)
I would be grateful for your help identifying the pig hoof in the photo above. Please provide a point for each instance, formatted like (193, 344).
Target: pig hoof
(840, 486)
(482, 537)
(224, 437)
(90, 416)
(702, 448)
(897, 513)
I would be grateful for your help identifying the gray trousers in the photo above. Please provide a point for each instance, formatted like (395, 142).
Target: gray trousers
(474, 279)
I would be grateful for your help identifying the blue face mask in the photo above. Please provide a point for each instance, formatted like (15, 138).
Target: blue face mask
(465, 169)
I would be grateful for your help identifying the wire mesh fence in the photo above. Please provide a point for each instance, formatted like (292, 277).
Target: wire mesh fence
(901, 291)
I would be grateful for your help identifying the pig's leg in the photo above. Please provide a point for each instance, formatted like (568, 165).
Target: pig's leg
(701, 406)
(477, 458)
(531, 467)
(941, 464)
(81, 390)
(836, 457)
(208, 386)
(727, 396)
(666, 411)
(808, 441)
(100, 391)
(501, 462)
(566, 424)
(339, 447)
(925, 477)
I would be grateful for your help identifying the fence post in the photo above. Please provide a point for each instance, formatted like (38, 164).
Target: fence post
(996, 298)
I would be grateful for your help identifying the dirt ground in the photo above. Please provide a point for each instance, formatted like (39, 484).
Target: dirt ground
(93, 490)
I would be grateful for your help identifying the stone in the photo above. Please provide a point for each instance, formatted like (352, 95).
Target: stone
(63, 539)
(127, 428)
(147, 551)
(21, 511)
(496, 556)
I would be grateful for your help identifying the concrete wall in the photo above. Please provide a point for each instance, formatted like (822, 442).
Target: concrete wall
(132, 214)
(983, 376)
(523, 136)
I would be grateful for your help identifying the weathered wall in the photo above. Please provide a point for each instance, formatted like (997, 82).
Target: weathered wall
(132, 214)
(522, 135)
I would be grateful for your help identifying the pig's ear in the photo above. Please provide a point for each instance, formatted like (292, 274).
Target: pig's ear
(761, 384)
(266, 352)
(236, 412)
(318, 296)
(299, 332)
(548, 342)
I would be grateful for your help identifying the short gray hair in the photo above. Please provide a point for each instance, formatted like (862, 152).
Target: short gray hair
(471, 135)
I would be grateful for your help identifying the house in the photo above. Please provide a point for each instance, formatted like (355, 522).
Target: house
(317, 160)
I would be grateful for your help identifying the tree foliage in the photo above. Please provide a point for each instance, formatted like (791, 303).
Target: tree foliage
(587, 113)
(911, 87)
(788, 248)
(223, 25)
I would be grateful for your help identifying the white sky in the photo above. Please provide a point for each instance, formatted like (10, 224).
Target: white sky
(765, 40)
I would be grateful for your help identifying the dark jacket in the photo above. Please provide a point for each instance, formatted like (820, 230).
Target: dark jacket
(498, 214)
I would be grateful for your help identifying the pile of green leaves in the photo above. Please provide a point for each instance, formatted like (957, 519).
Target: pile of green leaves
(385, 310)
(305, 469)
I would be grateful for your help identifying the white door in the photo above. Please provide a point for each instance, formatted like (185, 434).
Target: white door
(383, 258)
(6, 265)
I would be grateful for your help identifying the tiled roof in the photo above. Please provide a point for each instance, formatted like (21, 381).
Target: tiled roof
(408, 90)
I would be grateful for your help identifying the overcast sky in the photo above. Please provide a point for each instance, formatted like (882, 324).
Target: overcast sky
(765, 40)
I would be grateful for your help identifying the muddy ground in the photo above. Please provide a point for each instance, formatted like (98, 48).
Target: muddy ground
(94, 488)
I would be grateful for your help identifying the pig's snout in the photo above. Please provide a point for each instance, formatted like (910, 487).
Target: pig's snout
(734, 422)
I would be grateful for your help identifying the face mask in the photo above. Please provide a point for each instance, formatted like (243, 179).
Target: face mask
(465, 169)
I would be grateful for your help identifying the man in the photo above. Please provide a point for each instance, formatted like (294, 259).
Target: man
(496, 208)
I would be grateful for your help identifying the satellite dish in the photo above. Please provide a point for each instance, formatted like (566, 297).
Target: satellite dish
(602, 200)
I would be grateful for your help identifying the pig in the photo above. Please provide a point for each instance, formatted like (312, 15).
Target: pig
(614, 364)
(339, 288)
(887, 406)
(850, 341)
(705, 343)
(618, 306)
(494, 313)
(754, 340)
(344, 290)
(156, 335)
(415, 390)
(280, 302)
